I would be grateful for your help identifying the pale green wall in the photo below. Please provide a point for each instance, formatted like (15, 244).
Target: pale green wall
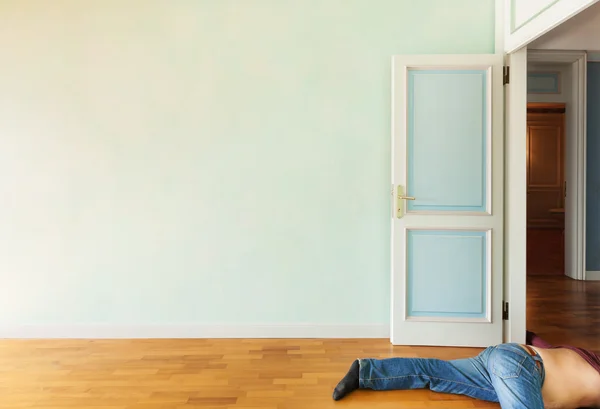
(205, 161)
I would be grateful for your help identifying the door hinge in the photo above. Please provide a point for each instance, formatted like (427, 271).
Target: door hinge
(505, 311)
(506, 75)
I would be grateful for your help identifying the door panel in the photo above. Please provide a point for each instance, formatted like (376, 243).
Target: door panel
(545, 152)
(525, 11)
(448, 275)
(526, 20)
(447, 140)
(447, 230)
(545, 169)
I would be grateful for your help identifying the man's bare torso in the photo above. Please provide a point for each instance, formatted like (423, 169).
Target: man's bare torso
(570, 382)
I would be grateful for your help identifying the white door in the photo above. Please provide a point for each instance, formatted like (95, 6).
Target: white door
(526, 20)
(515, 197)
(447, 224)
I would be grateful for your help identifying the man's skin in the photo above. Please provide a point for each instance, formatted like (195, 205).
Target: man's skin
(570, 382)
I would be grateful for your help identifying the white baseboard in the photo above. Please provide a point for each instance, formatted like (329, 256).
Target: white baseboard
(93, 331)
(592, 276)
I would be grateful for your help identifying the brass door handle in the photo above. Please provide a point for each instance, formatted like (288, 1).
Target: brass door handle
(400, 201)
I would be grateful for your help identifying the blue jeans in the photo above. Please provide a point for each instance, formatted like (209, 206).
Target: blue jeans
(504, 373)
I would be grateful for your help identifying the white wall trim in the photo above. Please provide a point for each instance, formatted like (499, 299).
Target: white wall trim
(553, 56)
(100, 331)
(580, 71)
(500, 18)
(592, 275)
(593, 56)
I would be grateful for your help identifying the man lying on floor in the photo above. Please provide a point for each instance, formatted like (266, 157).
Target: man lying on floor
(514, 375)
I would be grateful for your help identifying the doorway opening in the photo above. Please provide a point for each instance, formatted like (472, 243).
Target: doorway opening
(562, 34)
(556, 105)
(556, 162)
(545, 188)
(522, 65)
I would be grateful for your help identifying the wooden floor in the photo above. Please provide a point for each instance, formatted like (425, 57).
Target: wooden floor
(276, 374)
(564, 311)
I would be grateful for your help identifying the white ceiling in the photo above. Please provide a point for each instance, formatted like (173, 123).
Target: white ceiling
(578, 33)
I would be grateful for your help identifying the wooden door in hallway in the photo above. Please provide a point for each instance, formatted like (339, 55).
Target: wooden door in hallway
(545, 165)
(545, 188)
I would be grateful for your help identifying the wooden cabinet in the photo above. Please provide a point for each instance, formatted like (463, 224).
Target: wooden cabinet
(545, 167)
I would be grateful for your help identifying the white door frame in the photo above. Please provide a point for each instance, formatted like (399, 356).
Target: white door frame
(576, 182)
(515, 198)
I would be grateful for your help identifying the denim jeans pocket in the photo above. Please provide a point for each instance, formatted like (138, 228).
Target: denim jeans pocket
(507, 361)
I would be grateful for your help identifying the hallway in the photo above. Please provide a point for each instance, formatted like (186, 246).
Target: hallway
(564, 311)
